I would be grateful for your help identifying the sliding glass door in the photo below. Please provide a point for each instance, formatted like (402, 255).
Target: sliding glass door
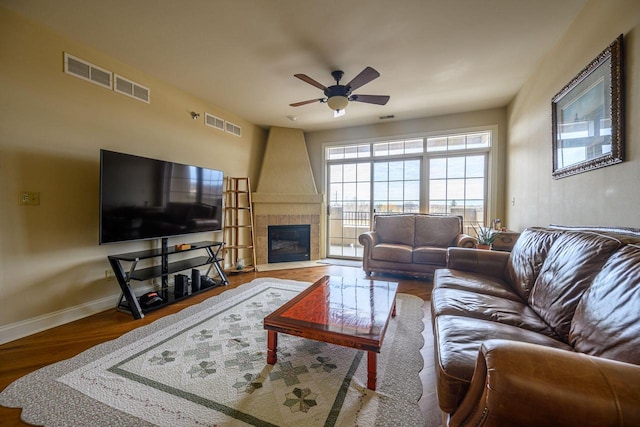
(395, 188)
(349, 207)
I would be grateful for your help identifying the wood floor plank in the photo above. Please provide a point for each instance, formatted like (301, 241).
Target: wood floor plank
(20, 357)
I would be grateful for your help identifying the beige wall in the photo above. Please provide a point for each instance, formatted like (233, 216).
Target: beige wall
(52, 126)
(607, 196)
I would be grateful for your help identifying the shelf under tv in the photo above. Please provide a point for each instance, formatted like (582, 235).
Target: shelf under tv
(129, 302)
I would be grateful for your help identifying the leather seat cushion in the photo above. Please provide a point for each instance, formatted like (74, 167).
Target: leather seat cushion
(488, 307)
(488, 285)
(392, 252)
(430, 255)
(395, 229)
(607, 320)
(527, 257)
(439, 231)
(458, 341)
(573, 262)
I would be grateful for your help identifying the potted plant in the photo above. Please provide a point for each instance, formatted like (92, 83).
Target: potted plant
(485, 236)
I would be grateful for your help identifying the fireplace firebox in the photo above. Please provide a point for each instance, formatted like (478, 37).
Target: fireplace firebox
(289, 243)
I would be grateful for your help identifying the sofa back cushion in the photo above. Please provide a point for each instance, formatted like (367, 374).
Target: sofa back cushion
(439, 231)
(607, 320)
(573, 261)
(526, 259)
(395, 229)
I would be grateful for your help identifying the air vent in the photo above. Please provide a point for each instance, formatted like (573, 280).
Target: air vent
(213, 121)
(130, 88)
(87, 71)
(233, 129)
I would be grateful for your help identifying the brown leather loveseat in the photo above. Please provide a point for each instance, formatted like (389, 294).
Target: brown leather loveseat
(547, 335)
(413, 244)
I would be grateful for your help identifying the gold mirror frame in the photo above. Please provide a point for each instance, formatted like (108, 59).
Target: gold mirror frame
(588, 116)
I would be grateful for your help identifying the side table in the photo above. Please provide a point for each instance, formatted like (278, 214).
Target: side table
(505, 241)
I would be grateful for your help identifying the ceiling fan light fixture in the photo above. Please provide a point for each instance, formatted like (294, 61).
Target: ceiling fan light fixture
(337, 96)
(338, 102)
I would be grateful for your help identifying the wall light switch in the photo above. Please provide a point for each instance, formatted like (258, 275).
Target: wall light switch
(29, 198)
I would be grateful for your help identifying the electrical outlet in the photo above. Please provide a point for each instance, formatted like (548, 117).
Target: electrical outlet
(109, 275)
(29, 198)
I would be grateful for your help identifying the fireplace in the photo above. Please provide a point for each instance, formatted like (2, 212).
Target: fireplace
(286, 194)
(289, 243)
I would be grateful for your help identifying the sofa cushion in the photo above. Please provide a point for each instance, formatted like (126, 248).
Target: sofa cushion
(395, 229)
(526, 259)
(458, 341)
(607, 320)
(439, 231)
(481, 283)
(392, 252)
(459, 302)
(430, 255)
(573, 261)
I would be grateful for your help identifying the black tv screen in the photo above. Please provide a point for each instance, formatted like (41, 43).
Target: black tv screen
(142, 198)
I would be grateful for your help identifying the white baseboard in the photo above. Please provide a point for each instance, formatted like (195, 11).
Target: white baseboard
(41, 323)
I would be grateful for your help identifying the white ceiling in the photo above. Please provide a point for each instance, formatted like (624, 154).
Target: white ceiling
(434, 56)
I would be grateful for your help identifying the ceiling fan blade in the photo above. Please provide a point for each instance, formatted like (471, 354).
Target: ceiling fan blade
(363, 78)
(371, 99)
(309, 101)
(309, 80)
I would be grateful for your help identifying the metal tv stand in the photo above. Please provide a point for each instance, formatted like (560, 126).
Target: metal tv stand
(129, 302)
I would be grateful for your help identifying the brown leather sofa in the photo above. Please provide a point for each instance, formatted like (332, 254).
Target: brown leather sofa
(412, 244)
(547, 335)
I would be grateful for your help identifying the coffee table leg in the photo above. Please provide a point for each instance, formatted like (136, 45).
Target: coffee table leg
(272, 344)
(393, 312)
(372, 369)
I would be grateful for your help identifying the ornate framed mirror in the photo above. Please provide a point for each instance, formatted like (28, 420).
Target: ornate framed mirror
(587, 116)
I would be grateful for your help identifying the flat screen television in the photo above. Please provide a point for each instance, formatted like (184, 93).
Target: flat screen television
(142, 198)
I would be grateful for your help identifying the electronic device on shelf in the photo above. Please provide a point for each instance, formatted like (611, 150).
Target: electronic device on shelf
(150, 299)
(207, 282)
(181, 285)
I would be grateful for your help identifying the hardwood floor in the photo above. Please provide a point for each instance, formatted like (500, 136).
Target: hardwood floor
(20, 357)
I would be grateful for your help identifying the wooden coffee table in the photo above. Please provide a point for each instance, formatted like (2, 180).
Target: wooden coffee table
(338, 310)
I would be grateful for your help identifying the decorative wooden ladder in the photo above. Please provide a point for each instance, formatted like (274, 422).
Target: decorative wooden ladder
(239, 248)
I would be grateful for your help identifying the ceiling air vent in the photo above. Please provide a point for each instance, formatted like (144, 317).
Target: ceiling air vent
(213, 121)
(87, 71)
(130, 88)
(233, 129)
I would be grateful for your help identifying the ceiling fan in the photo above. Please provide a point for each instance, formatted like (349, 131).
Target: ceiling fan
(337, 96)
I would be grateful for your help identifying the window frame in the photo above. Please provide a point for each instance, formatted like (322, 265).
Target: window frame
(491, 152)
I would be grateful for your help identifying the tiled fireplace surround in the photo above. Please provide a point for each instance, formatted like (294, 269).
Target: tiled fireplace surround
(285, 209)
(262, 222)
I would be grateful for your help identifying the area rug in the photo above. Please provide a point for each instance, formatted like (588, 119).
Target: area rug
(206, 366)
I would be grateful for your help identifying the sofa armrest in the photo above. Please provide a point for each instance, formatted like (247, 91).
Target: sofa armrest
(517, 383)
(369, 238)
(492, 263)
(465, 241)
